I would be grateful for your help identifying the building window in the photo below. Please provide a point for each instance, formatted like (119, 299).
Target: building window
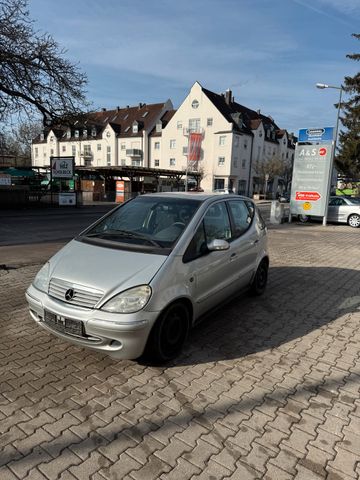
(85, 133)
(135, 128)
(51, 138)
(172, 162)
(179, 125)
(219, 183)
(209, 122)
(195, 104)
(194, 124)
(76, 133)
(236, 141)
(245, 144)
(221, 161)
(158, 127)
(73, 150)
(93, 132)
(51, 151)
(136, 162)
(123, 162)
(63, 148)
(123, 146)
(235, 163)
(42, 137)
(36, 152)
(172, 143)
(68, 134)
(243, 163)
(157, 145)
(157, 163)
(87, 151)
(222, 139)
(98, 147)
(108, 155)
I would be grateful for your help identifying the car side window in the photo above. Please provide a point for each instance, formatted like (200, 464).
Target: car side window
(241, 216)
(336, 202)
(215, 224)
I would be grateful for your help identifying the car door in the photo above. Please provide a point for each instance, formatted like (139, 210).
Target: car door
(337, 210)
(213, 275)
(245, 241)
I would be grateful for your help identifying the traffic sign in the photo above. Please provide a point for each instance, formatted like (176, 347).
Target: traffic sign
(316, 134)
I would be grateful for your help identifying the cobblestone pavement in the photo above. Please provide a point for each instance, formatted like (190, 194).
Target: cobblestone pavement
(266, 388)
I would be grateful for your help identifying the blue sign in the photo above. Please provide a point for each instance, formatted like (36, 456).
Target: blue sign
(316, 134)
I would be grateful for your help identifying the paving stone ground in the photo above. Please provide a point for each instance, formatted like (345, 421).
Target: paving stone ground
(267, 388)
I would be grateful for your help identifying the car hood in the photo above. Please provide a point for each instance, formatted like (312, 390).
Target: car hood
(106, 269)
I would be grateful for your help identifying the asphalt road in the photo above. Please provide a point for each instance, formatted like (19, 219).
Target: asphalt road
(19, 227)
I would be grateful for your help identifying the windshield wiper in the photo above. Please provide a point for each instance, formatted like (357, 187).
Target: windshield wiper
(124, 233)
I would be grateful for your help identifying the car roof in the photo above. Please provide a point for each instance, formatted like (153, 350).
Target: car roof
(202, 196)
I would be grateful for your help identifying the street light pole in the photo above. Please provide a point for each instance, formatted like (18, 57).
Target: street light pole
(322, 86)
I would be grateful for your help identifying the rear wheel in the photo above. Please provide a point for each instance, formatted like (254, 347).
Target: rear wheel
(169, 333)
(354, 220)
(259, 283)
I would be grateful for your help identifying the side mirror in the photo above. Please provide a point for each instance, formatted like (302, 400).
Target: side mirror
(218, 244)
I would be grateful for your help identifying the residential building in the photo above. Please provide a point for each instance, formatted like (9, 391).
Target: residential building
(233, 141)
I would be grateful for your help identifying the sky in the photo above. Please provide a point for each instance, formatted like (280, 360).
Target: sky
(270, 53)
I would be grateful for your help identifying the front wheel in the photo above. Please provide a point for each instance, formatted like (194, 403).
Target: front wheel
(354, 220)
(259, 283)
(169, 333)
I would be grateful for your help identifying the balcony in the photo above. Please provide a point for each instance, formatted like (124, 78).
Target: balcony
(134, 152)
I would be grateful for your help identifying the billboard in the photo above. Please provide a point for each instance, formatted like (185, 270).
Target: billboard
(309, 188)
(62, 167)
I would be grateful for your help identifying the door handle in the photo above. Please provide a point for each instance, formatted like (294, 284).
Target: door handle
(233, 256)
(255, 242)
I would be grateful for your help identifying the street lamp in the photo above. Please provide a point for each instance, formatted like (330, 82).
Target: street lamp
(341, 88)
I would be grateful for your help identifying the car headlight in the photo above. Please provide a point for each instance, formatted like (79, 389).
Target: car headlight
(41, 281)
(129, 301)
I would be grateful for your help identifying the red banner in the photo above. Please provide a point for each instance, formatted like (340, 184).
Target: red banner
(194, 147)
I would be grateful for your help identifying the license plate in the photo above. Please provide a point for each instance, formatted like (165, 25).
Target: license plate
(64, 325)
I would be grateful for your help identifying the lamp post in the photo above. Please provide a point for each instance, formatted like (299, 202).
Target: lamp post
(322, 86)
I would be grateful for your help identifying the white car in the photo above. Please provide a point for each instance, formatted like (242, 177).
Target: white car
(139, 278)
(341, 210)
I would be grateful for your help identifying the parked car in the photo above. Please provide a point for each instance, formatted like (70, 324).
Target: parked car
(341, 210)
(141, 276)
(223, 190)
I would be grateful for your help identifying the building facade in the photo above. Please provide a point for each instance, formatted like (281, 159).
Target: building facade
(234, 142)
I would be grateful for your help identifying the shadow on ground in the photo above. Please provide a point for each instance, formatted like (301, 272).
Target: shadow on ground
(297, 301)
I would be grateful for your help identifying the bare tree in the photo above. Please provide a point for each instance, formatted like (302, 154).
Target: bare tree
(34, 75)
(272, 167)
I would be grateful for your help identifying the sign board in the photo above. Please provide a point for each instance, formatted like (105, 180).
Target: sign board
(311, 172)
(5, 179)
(322, 134)
(68, 198)
(62, 167)
(120, 191)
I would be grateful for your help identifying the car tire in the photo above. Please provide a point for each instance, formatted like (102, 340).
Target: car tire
(259, 282)
(354, 220)
(303, 218)
(169, 333)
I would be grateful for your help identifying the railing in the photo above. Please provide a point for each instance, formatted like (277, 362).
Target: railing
(133, 152)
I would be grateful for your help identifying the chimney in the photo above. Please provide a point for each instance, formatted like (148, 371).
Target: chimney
(103, 109)
(258, 111)
(118, 109)
(228, 96)
(140, 105)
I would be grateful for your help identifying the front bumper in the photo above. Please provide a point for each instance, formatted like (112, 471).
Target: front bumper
(122, 336)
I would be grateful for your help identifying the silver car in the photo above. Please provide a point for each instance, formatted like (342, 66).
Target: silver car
(341, 210)
(139, 278)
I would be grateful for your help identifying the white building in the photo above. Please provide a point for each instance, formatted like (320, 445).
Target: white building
(235, 140)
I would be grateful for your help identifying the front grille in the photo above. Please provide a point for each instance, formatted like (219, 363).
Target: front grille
(74, 294)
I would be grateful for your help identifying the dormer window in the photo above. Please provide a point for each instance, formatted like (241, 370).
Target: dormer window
(42, 137)
(68, 133)
(93, 132)
(158, 127)
(76, 133)
(135, 127)
(84, 133)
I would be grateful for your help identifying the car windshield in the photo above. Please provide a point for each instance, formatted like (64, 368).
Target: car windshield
(149, 221)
